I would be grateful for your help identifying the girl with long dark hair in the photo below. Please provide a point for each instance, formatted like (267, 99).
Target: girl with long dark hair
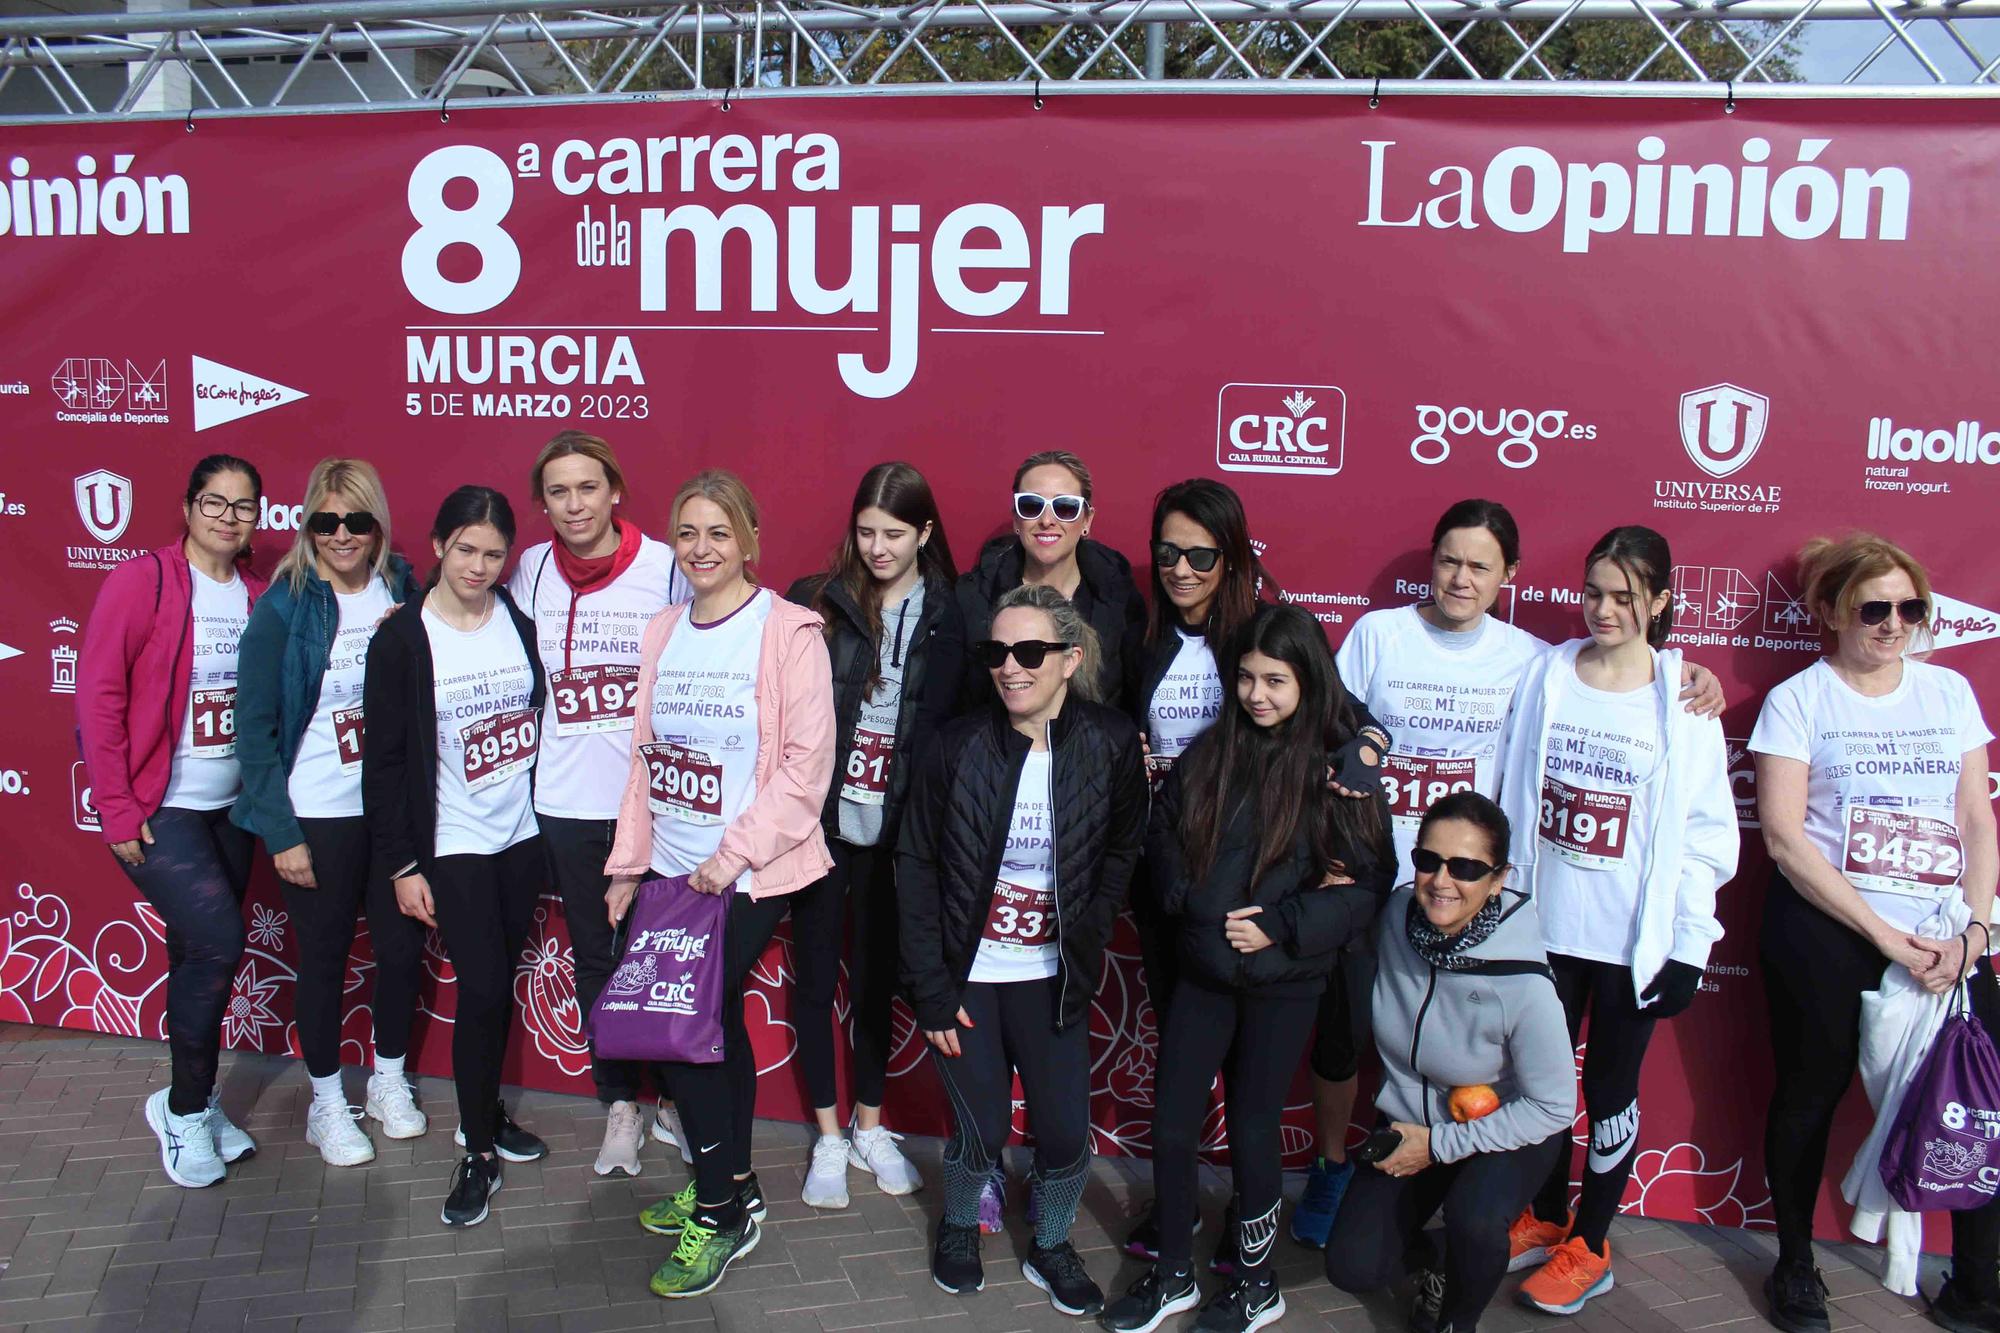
(898, 645)
(1267, 874)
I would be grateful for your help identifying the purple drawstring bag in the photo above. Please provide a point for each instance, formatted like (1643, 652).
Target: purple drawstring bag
(1943, 1152)
(664, 1001)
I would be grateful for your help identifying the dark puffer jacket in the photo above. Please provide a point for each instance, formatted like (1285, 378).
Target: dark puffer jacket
(1106, 597)
(933, 661)
(955, 832)
(1308, 923)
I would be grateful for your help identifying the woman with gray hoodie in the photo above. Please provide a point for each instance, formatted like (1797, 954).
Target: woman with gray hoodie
(1478, 1079)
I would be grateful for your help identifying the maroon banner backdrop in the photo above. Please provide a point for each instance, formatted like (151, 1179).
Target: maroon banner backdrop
(1742, 329)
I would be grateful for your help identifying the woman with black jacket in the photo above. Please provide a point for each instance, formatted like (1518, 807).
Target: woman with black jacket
(1051, 546)
(897, 645)
(1016, 849)
(1267, 875)
(453, 696)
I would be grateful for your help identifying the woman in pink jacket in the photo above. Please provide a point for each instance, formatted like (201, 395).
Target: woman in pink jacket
(732, 756)
(156, 714)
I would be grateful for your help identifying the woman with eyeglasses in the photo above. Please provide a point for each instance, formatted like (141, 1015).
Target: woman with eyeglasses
(453, 692)
(1017, 846)
(156, 716)
(1478, 1075)
(1266, 875)
(591, 592)
(1050, 546)
(300, 735)
(1624, 828)
(1872, 790)
(898, 648)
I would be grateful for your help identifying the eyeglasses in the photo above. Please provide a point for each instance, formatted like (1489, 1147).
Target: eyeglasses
(210, 505)
(1463, 868)
(1200, 559)
(323, 523)
(1911, 610)
(1030, 653)
(1029, 506)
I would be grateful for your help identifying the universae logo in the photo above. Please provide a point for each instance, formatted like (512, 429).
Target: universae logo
(104, 503)
(1721, 427)
(1292, 428)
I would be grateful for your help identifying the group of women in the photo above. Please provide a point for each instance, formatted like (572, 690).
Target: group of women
(969, 778)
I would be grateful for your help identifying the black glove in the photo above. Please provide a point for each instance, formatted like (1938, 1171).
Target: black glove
(1672, 991)
(1351, 771)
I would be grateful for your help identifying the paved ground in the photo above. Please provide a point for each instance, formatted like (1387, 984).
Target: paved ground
(93, 1235)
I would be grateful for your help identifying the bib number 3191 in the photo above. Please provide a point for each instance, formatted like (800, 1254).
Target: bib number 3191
(1587, 828)
(498, 747)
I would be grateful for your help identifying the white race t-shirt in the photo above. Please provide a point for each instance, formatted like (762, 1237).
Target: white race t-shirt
(1444, 697)
(1596, 804)
(593, 673)
(205, 776)
(486, 735)
(1019, 942)
(1184, 703)
(864, 787)
(326, 776)
(701, 766)
(1882, 778)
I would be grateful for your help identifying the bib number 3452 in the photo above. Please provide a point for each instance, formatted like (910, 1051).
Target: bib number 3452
(1900, 852)
(498, 747)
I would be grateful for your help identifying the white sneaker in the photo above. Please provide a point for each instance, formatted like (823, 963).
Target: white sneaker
(231, 1141)
(330, 1128)
(187, 1144)
(826, 1178)
(391, 1102)
(874, 1150)
(667, 1129)
(622, 1137)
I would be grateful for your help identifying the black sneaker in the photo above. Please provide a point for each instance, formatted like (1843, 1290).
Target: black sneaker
(1797, 1295)
(955, 1265)
(1429, 1303)
(509, 1140)
(1241, 1307)
(1957, 1309)
(1144, 1240)
(1057, 1270)
(1147, 1302)
(473, 1181)
(1223, 1262)
(751, 1196)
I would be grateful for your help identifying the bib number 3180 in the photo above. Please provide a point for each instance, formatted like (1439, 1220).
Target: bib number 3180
(498, 747)
(1415, 782)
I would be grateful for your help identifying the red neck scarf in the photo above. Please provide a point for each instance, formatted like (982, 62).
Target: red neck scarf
(589, 573)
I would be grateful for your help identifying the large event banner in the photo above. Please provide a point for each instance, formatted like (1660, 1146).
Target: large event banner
(1743, 329)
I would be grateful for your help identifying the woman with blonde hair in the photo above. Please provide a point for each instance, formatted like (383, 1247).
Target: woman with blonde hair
(300, 733)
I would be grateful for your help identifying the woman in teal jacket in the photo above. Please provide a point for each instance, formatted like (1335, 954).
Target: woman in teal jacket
(299, 741)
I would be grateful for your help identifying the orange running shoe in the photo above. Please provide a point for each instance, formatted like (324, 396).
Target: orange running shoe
(1572, 1276)
(1529, 1239)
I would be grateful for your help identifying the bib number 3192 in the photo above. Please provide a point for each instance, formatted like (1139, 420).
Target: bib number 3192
(683, 782)
(1587, 828)
(498, 747)
(1899, 852)
(597, 697)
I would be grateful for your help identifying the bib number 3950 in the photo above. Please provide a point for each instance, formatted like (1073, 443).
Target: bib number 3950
(1900, 852)
(683, 782)
(498, 747)
(1587, 828)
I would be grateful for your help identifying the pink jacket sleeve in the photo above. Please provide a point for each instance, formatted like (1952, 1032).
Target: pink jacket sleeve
(117, 630)
(792, 794)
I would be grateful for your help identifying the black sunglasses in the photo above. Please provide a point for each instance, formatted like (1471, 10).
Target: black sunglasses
(1028, 506)
(321, 523)
(1463, 868)
(1201, 559)
(1912, 610)
(1030, 653)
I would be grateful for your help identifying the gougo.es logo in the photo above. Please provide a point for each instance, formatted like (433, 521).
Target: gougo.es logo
(1516, 432)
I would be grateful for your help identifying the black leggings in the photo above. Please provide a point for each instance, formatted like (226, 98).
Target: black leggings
(1619, 1034)
(1378, 1235)
(194, 874)
(324, 919)
(485, 905)
(577, 850)
(862, 879)
(1815, 970)
(1159, 945)
(1013, 1032)
(1254, 1042)
(718, 1102)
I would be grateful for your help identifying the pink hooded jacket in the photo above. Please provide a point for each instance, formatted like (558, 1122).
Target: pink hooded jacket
(779, 837)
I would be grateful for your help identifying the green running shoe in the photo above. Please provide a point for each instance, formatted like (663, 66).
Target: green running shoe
(697, 1264)
(668, 1216)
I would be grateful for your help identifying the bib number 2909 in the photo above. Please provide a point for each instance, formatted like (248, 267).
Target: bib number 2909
(683, 782)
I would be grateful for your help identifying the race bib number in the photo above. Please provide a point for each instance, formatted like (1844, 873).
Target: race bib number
(347, 737)
(212, 716)
(1415, 783)
(867, 781)
(498, 747)
(1901, 853)
(683, 781)
(1587, 828)
(1020, 918)
(598, 697)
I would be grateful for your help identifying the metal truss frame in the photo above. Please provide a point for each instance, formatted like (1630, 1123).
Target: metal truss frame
(560, 50)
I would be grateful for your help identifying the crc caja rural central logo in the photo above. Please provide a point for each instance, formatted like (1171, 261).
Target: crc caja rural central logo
(1292, 428)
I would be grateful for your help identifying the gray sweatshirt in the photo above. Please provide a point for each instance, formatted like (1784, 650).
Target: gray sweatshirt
(1498, 1022)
